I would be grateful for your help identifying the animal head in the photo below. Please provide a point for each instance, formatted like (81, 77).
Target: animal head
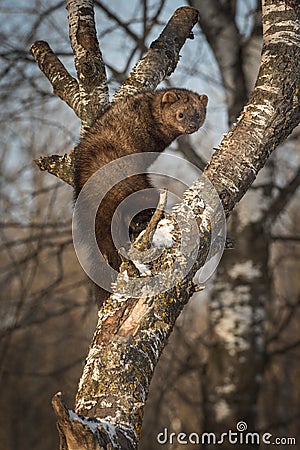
(184, 110)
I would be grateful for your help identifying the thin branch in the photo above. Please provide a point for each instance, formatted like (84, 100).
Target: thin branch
(282, 199)
(120, 23)
(284, 349)
(43, 15)
(161, 59)
(285, 238)
(285, 322)
(143, 241)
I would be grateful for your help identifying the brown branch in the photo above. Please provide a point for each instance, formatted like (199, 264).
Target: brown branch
(285, 322)
(186, 148)
(284, 349)
(285, 238)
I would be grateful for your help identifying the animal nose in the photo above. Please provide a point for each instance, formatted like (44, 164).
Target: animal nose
(192, 127)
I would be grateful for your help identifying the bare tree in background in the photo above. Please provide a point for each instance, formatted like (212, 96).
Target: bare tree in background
(186, 346)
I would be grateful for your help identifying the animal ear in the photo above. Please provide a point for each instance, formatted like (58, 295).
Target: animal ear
(204, 99)
(169, 97)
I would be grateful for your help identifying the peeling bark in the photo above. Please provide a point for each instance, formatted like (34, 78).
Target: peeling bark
(60, 166)
(132, 332)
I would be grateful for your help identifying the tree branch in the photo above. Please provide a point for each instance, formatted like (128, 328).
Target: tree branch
(60, 166)
(273, 110)
(88, 60)
(74, 431)
(131, 333)
(186, 148)
(281, 200)
(286, 238)
(160, 61)
(64, 85)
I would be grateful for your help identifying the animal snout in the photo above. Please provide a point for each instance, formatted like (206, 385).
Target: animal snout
(192, 127)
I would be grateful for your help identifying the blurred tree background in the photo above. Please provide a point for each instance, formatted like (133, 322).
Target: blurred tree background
(234, 354)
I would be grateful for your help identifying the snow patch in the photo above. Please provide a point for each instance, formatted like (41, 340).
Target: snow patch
(93, 425)
(142, 268)
(222, 410)
(163, 235)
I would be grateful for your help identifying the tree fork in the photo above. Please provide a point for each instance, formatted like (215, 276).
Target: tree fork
(160, 61)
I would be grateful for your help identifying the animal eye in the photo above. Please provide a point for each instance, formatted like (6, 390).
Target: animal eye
(180, 115)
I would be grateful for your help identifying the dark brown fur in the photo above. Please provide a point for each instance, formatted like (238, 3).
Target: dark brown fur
(146, 122)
